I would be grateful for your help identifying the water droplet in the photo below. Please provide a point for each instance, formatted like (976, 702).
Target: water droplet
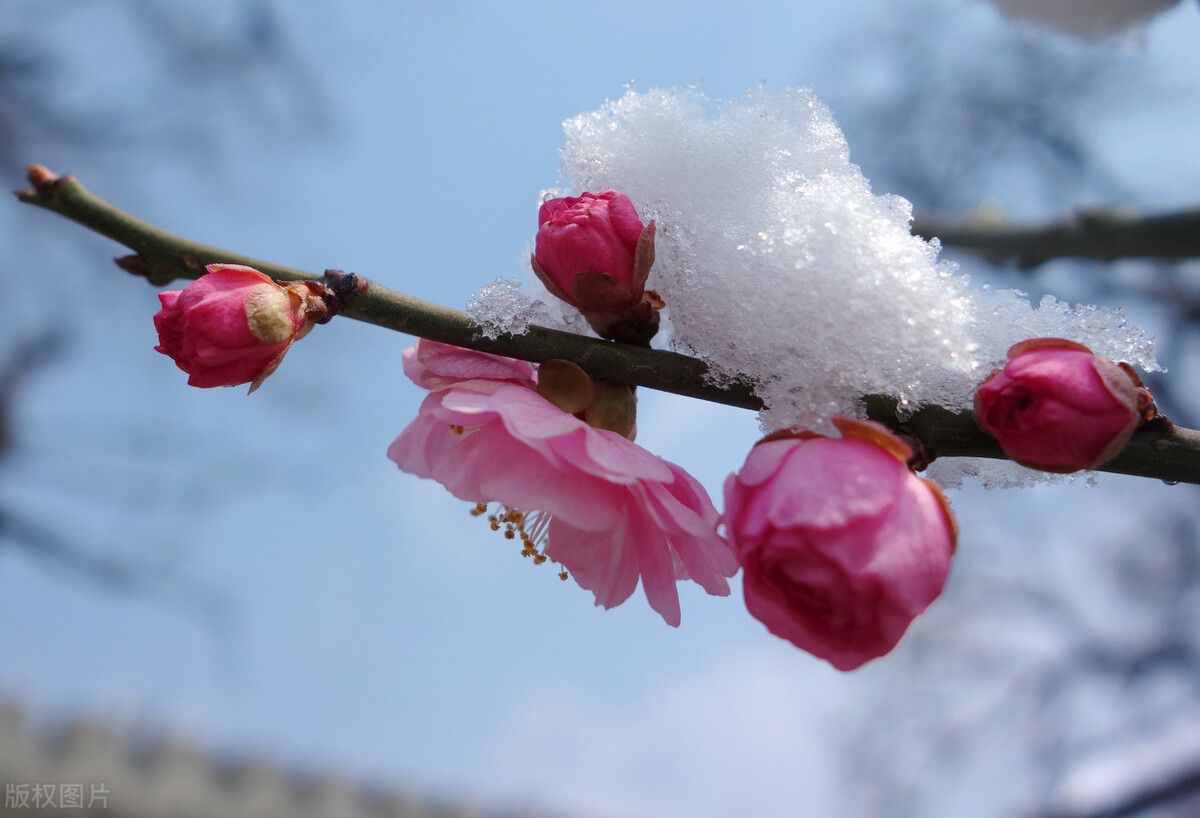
(1170, 482)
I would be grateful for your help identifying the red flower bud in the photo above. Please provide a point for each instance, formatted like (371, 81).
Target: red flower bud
(1057, 407)
(593, 252)
(231, 326)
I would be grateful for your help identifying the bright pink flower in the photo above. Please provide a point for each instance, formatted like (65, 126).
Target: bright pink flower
(603, 507)
(230, 326)
(1057, 407)
(841, 545)
(587, 234)
(593, 252)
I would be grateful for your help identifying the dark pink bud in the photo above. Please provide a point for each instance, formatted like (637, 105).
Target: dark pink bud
(593, 252)
(1057, 407)
(231, 326)
(841, 545)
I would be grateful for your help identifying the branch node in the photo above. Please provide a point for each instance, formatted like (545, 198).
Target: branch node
(346, 286)
(133, 264)
(157, 272)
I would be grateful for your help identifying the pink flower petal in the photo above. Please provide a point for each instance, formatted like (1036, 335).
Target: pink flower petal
(611, 457)
(827, 485)
(601, 562)
(656, 565)
(432, 365)
(765, 459)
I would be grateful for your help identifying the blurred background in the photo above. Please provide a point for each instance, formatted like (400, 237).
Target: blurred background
(249, 588)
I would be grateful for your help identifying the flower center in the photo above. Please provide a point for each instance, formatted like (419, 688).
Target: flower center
(532, 528)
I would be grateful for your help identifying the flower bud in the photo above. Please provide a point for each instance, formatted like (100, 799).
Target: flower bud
(600, 404)
(1057, 407)
(593, 252)
(614, 408)
(232, 325)
(841, 545)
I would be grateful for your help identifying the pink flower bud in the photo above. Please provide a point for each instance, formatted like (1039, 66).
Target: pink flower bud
(1057, 407)
(841, 545)
(593, 252)
(231, 326)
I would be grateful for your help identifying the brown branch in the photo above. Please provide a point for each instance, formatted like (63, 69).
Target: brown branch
(1102, 235)
(1158, 450)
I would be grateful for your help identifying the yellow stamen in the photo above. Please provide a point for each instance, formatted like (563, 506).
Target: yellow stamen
(531, 528)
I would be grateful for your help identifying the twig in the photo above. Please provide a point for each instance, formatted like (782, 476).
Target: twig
(1158, 450)
(193, 598)
(1101, 235)
(27, 357)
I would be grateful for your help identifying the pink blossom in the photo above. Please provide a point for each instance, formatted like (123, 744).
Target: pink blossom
(1057, 407)
(841, 545)
(603, 507)
(230, 326)
(593, 252)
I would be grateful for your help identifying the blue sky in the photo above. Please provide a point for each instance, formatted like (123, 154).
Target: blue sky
(379, 629)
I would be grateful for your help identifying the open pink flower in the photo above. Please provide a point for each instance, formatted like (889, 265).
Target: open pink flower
(1057, 407)
(231, 326)
(603, 507)
(841, 545)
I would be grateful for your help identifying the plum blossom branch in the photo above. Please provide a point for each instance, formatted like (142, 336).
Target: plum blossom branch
(1160, 449)
(1098, 234)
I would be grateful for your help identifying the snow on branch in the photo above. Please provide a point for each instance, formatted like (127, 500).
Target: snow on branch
(780, 266)
(1159, 450)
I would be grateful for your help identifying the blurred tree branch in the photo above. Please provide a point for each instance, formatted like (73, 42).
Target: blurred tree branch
(1101, 235)
(1159, 449)
(186, 49)
(27, 357)
(115, 575)
(52, 98)
(1154, 794)
(1158, 789)
(951, 115)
